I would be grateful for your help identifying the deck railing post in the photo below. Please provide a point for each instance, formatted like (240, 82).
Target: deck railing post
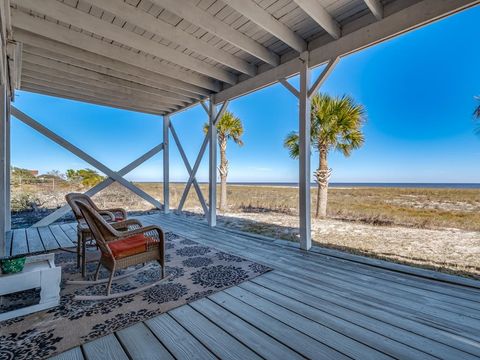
(212, 165)
(166, 165)
(304, 165)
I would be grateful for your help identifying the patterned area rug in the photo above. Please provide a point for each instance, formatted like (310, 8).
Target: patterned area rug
(194, 271)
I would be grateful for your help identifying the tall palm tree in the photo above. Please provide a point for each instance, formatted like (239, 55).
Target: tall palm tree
(229, 127)
(336, 125)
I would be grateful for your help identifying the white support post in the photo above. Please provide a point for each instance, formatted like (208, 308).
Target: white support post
(212, 164)
(8, 209)
(3, 172)
(304, 165)
(166, 166)
(304, 96)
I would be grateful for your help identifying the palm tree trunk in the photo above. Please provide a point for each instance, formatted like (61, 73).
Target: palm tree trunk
(322, 176)
(223, 170)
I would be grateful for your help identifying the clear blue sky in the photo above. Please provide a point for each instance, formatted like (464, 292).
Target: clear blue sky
(418, 90)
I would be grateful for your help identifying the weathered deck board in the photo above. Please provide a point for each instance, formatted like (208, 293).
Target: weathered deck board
(62, 238)
(34, 242)
(20, 241)
(8, 243)
(105, 348)
(72, 354)
(48, 238)
(140, 343)
(222, 344)
(177, 340)
(261, 343)
(312, 305)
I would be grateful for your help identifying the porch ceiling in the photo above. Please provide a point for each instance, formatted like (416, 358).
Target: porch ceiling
(161, 56)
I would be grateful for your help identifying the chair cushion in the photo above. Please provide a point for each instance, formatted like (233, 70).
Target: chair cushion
(132, 245)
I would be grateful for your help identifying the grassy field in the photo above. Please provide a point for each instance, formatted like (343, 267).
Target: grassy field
(419, 208)
(432, 228)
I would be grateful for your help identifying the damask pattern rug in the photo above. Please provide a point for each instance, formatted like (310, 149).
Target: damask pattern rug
(194, 271)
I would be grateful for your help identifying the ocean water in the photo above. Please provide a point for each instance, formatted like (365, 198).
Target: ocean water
(374, 184)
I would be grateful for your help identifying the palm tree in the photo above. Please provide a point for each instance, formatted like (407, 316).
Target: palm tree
(335, 125)
(229, 127)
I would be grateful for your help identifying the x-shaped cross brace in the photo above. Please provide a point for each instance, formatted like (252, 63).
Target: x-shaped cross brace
(113, 176)
(193, 171)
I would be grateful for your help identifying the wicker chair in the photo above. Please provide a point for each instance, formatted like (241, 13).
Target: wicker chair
(83, 232)
(122, 249)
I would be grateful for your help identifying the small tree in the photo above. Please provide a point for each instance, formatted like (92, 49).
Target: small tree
(87, 177)
(229, 127)
(335, 125)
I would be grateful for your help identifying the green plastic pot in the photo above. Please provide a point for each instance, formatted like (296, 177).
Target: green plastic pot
(12, 266)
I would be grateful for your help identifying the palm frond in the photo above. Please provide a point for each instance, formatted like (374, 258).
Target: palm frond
(476, 112)
(292, 145)
(229, 126)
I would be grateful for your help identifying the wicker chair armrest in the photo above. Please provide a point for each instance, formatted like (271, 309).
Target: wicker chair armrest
(123, 212)
(105, 213)
(143, 230)
(130, 224)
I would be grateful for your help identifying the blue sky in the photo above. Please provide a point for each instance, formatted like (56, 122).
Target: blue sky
(418, 90)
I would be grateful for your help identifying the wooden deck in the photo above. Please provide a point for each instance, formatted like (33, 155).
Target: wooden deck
(310, 306)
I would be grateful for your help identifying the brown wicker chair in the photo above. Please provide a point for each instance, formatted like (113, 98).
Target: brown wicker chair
(122, 249)
(83, 232)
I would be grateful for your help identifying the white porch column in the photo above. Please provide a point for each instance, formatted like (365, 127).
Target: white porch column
(166, 166)
(304, 165)
(212, 165)
(3, 172)
(8, 191)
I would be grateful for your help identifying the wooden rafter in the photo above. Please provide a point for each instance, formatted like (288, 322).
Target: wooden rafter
(82, 41)
(34, 62)
(82, 20)
(318, 13)
(215, 26)
(262, 18)
(67, 54)
(145, 21)
(375, 7)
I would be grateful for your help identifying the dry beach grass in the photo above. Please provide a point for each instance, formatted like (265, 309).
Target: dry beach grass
(432, 228)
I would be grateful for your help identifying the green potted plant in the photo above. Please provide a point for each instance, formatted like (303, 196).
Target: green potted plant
(13, 264)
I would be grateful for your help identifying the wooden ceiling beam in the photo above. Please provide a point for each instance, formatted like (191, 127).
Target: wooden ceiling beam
(56, 51)
(375, 7)
(29, 81)
(318, 13)
(203, 19)
(83, 41)
(262, 18)
(45, 64)
(82, 20)
(41, 72)
(61, 93)
(169, 32)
